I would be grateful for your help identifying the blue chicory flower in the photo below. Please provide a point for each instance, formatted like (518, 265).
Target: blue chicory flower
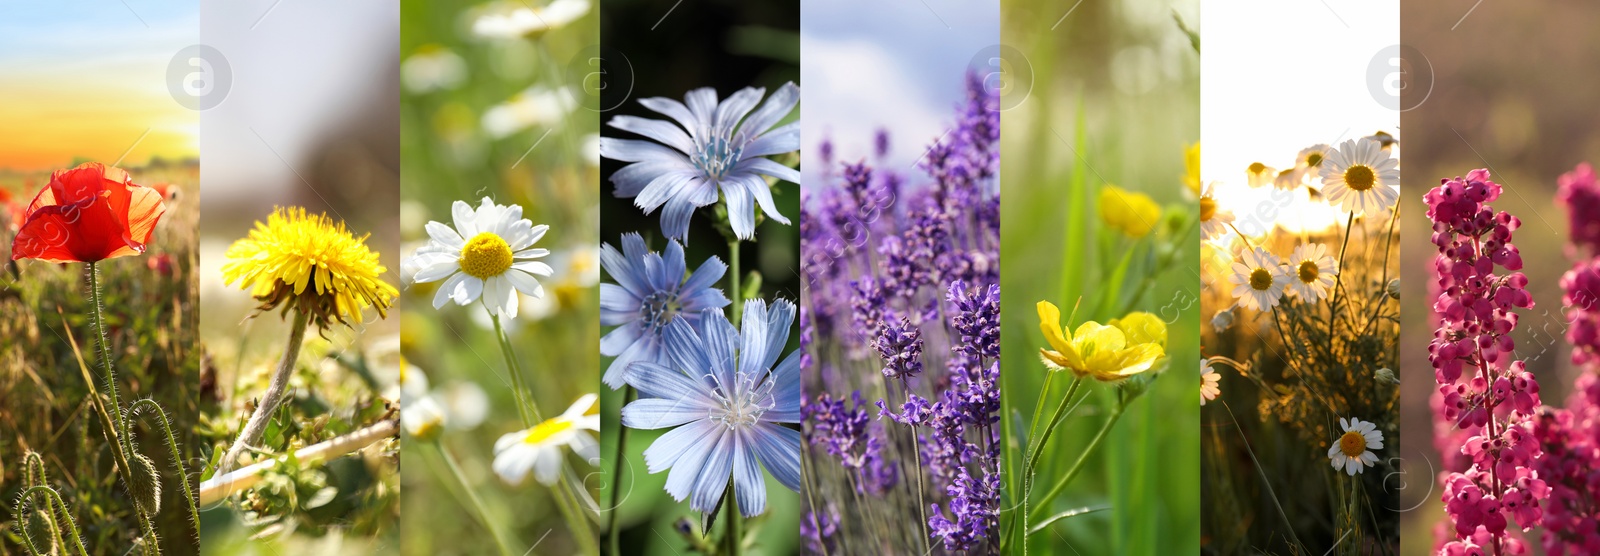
(650, 292)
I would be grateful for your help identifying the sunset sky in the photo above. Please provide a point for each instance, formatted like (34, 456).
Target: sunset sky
(88, 79)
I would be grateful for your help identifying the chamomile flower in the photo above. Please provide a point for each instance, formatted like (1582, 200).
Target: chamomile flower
(1309, 161)
(1214, 221)
(510, 20)
(311, 264)
(539, 449)
(1313, 270)
(1353, 451)
(536, 106)
(726, 398)
(1258, 279)
(432, 68)
(488, 254)
(721, 147)
(1260, 174)
(423, 419)
(1361, 177)
(1288, 179)
(1210, 382)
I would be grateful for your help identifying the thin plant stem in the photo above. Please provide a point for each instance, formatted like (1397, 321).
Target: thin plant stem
(54, 506)
(257, 425)
(737, 307)
(152, 543)
(105, 351)
(1044, 501)
(733, 536)
(922, 504)
(476, 505)
(1036, 448)
(811, 500)
(1338, 279)
(612, 533)
(527, 409)
(177, 456)
(577, 524)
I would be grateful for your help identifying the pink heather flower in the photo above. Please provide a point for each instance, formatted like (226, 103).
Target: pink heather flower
(1579, 192)
(1482, 392)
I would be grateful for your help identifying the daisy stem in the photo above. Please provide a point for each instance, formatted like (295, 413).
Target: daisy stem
(526, 407)
(577, 525)
(257, 425)
(1072, 473)
(732, 538)
(1338, 279)
(736, 309)
(476, 503)
(612, 533)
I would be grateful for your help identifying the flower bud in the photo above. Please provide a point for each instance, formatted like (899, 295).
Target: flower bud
(145, 485)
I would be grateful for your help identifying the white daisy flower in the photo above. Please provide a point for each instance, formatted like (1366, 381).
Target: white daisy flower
(1223, 319)
(1353, 450)
(1288, 179)
(423, 419)
(1361, 177)
(489, 254)
(536, 106)
(1309, 161)
(1260, 174)
(1313, 270)
(539, 449)
(512, 20)
(432, 68)
(1214, 221)
(1258, 279)
(1210, 382)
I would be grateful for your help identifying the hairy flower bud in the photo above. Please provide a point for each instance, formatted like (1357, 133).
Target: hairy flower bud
(145, 484)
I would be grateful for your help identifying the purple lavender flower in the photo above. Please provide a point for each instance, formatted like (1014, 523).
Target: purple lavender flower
(900, 346)
(977, 319)
(730, 400)
(650, 292)
(684, 168)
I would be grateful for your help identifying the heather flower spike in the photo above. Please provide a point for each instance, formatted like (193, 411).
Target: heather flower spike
(715, 148)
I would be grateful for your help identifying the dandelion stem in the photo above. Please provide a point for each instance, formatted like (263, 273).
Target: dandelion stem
(500, 539)
(613, 534)
(527, 409)
(257, 425)
(1116, 413)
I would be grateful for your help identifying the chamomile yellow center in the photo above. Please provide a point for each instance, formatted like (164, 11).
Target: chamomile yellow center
(485, 255)
(1257, 167)
(1360, 177)
(1309, 272)
(542, 432)
(1314, 159)
(1208, 209)
(1352, 444)
(1260, 279)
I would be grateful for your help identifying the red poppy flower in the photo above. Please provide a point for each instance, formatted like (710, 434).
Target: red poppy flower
(87, 214)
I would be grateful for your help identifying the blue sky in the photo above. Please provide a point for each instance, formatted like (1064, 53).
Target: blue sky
(896, 64)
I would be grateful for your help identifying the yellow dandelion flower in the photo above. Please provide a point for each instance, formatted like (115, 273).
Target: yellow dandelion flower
(1132, 213)
(309, 263)
(1107, 353)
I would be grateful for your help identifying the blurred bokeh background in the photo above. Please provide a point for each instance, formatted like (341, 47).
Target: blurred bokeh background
(1114, 99)
(1502, 87)
(304, 113)
(498, 116)
(84, 84)
(664, 48)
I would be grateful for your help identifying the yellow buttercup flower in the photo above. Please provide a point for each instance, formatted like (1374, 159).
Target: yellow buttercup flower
(1132, 213)
(1108, 353)
(1191, 167)
(311, 264)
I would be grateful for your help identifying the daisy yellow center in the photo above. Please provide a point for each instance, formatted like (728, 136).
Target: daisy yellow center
(1208, 208)
(485, 255)
(1352, 444)
(1360, 177)
(1257, 167)
(1260, 279)
(543, 431)
(1309, 272)
(1314, 159)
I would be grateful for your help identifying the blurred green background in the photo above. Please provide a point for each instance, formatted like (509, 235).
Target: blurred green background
(663, 48)
(1114, 99)
(1503, 89)
(500, 118)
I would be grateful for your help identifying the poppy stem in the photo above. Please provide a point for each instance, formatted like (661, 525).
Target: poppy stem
(56, 507)
(119, 427)
(257, 425)
(177, 456)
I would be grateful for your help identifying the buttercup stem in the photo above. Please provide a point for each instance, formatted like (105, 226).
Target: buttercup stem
(613, 535)
(257, 425)
(477, 503)
(1078, 466)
